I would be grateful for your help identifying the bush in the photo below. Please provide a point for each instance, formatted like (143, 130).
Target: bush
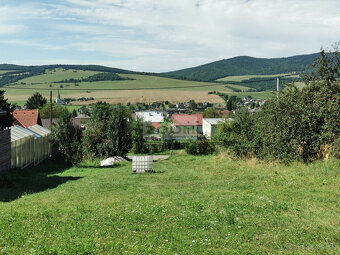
(67, 139)
(108, 133)
(238, 135)
(138, 141)
(201, 146)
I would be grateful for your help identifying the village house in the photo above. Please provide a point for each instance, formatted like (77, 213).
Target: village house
(154, 118)
(26, 118)
(209, 126)
(187, 125)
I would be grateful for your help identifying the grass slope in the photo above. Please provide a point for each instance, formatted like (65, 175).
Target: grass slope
(191, 205)
(144, 88)
(244, 66)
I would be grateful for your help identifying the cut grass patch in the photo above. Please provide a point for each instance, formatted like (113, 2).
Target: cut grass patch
(191, 205)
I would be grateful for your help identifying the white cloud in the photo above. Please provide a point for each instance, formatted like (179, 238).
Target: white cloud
(168, 34)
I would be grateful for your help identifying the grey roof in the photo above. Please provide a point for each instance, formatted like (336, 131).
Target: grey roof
(213, 121)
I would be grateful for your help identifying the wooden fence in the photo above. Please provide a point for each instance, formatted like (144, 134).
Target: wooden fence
(5, 150)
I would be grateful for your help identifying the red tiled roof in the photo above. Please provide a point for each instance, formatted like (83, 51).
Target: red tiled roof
(187, 119)
(156, 125)
(26, 118)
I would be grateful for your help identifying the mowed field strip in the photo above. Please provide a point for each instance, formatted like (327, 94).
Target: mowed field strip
(240, 78)
(143, 88)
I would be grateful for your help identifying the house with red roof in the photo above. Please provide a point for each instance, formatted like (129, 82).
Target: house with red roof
(26, 118)
(187, 125)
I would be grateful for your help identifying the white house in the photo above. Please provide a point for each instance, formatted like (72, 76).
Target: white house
(209, 126)
(150, 116)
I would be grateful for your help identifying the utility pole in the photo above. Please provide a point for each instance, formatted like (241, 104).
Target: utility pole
(277, 87)
(51, 109)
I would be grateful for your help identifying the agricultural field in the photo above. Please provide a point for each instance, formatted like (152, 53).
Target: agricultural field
(190, 205)
(143, 88)
(248, 77)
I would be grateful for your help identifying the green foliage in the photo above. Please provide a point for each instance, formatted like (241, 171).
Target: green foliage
(109, 132)
(119, 131)
(201, 146)
(67, 139)
(106, 76)
(7, 120)
(210, 113)
(301, 125)
(138, 141)
(57, 111)
(74, 113)
(36, 101)
(238, 135)
(229, 105)
(166, 131)
(192, 105)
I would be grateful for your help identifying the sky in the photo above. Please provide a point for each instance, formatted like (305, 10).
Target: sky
(162, 35)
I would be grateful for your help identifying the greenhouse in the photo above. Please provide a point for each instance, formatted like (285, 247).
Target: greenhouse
(22, 147)
(29, 145)
(44, 150)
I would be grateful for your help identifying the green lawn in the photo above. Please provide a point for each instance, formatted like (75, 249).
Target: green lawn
(191, 205)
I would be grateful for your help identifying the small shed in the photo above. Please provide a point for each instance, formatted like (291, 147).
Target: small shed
(22, 147)
(45, 149)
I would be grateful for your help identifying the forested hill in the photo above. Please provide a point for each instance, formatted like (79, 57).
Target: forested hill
(75, 67)
(244, 66)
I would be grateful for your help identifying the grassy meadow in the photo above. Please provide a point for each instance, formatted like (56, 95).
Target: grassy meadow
(190, 205)
(143, 88)
(240, 78)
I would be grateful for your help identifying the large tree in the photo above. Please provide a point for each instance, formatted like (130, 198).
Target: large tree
(36, 101)
(119, 131)
(57, 111)
(109, 132)
(6, 120)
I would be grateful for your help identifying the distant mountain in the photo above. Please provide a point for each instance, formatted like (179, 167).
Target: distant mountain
(243, 66)
(97, 68)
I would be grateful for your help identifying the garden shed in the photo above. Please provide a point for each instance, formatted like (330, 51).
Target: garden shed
(45, 149)
(22, 147)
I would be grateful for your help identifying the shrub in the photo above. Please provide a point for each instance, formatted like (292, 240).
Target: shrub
(138, 141)
(67, 139)
(201, 146)
(108, 133)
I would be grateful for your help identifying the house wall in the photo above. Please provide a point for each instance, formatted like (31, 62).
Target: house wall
(185, 132)
(5, 150)
(207, 129)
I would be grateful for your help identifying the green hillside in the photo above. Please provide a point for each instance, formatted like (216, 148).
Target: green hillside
(244, 66)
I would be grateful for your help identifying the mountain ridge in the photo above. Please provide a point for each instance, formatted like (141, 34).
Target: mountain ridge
(243, 65)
